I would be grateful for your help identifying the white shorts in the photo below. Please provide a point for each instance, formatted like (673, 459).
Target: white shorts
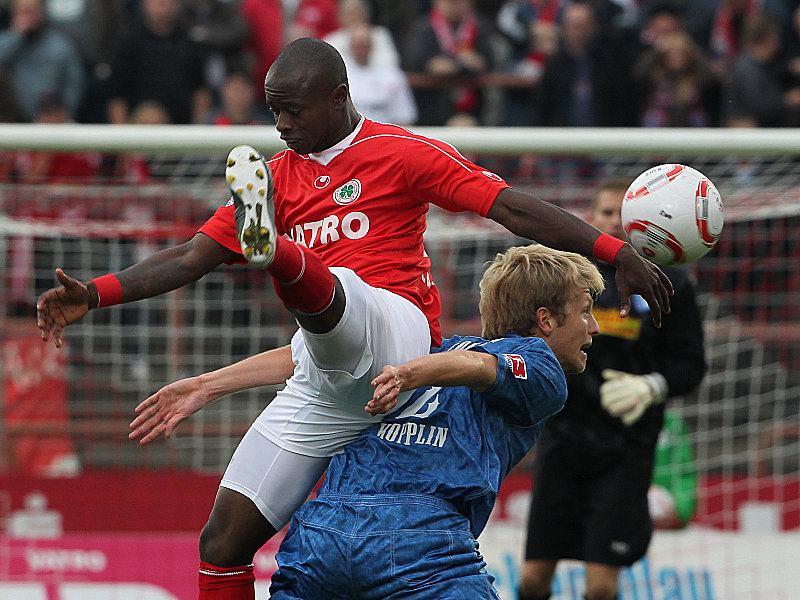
(322, 406)
(276, 480)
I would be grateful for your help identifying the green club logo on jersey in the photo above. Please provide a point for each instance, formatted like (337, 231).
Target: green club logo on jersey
(349, 192)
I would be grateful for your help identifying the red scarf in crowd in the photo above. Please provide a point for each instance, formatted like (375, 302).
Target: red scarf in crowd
(452, 41)
(724, 38)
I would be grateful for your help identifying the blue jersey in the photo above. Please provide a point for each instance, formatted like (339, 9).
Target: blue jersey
(454, 443)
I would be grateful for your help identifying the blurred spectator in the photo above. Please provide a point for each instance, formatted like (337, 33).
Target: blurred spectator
(239, 104)
(614, 16)
(530, 28)
(617, 31)
(219, 27)
(266, 21)
(40, 59)
(355, 13)
(396, 15)
(149, 113)
(726, 27)
(721, 34)
(657, 20)
(10, 112)
(379, 92)
(517, 20)
(157, 61)
(314, 18)
(675, 86)
(96, 27)
(793, 36)
(132, 168)
(582, 84)
(753, 94)
(544, 41)
(790, 66)
(56, 167)
(452, 41)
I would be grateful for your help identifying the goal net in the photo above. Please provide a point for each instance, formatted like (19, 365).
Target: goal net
(66, 412)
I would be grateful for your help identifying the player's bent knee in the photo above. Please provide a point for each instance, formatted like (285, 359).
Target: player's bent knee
(217, 549)
(532, 593)
(224, 547)
(208, 550)
(601, 582)
(234, 532)
(536, 580)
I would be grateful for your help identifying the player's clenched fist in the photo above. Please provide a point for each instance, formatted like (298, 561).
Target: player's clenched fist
(388, 386)
(636, 275)
(60, 306)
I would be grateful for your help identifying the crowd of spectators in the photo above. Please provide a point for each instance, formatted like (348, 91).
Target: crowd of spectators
(648, 63)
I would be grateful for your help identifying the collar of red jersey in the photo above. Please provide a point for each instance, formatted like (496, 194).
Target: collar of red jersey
(328, 155)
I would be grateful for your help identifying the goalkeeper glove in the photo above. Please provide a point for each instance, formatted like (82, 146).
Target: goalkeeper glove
(627, 396)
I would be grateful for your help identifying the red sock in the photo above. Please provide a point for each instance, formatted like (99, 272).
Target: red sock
(303, 282)
(226, 583)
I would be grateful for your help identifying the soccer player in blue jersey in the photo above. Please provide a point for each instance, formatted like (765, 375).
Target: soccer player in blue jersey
(400, 509)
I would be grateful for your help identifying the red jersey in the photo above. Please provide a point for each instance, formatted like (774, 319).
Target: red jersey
(365, 209)
(316, 18)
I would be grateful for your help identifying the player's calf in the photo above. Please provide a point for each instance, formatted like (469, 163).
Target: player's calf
(226, 583)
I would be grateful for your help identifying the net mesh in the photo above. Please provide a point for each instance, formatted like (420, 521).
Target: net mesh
(743, 420)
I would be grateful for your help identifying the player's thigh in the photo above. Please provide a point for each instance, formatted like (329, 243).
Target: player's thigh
(312, 564)
(277, 481)
(618, 522)
(432, 565)
(235, 521)
(478, 586)
(377, 328)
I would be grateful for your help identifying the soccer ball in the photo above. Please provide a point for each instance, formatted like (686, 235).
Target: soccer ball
(672, 214)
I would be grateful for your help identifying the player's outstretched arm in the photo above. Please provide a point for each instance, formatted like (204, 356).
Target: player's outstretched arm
(174, 403)
(162, 272)
(476, 370)
(532, 218)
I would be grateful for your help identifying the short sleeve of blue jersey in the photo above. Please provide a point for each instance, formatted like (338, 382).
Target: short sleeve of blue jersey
(530, 385)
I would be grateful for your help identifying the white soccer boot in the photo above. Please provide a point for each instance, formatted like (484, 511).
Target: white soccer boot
(250, 181)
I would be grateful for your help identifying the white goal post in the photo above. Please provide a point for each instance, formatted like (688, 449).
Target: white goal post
(744, 422)
(486, 140)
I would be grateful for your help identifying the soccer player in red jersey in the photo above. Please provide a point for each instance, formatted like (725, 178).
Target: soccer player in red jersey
(350, 197)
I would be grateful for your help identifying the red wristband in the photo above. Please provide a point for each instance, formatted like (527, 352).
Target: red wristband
(109, 290)
(606, 248)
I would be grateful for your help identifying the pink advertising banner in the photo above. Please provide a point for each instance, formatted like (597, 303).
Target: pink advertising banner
(123, 566)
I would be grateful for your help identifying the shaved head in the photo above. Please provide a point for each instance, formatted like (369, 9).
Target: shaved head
(306, 89)
(315, 63)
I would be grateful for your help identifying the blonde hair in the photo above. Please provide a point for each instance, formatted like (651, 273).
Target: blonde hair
(525, 278)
